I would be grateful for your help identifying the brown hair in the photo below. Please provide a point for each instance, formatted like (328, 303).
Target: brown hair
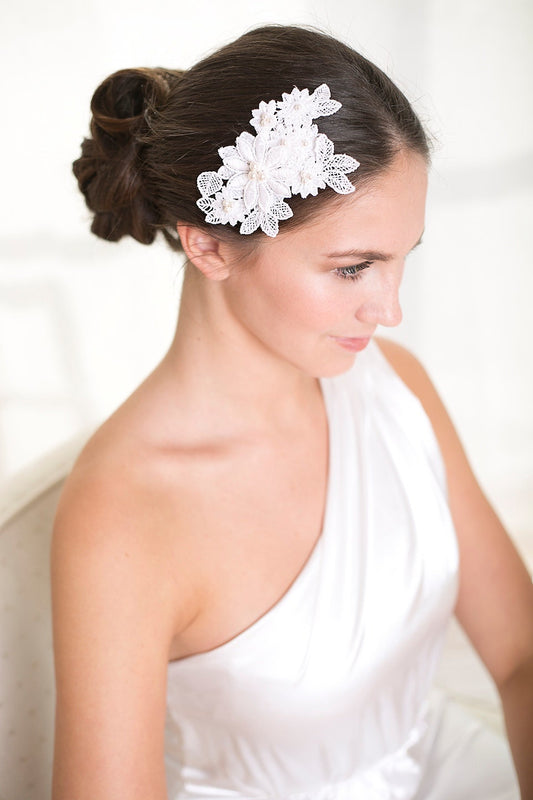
(154, 130)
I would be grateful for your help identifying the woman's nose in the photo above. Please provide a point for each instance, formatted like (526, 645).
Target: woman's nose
(382, 307)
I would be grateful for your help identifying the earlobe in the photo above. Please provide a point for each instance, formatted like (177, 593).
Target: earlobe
(204, 251)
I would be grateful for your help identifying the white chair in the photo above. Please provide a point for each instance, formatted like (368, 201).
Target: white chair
(27, 508)
(26, 665)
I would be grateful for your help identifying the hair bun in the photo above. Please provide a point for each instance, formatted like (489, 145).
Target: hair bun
(110, 168)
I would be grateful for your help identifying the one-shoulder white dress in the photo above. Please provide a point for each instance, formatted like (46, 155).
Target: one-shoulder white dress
(327, 695)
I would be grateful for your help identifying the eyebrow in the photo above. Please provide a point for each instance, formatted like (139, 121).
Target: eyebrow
(368, 255)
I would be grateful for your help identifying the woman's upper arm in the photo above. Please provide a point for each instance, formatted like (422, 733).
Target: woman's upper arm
(495, 600)
(112, 627)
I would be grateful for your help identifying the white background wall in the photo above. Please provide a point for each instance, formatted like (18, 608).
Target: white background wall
(83, 321)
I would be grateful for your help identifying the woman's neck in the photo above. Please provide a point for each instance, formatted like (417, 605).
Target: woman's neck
(222, 370)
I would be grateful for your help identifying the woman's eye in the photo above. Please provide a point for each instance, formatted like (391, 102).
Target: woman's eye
(352, 272)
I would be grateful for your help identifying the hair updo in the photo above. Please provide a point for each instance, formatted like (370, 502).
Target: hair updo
(154, 131)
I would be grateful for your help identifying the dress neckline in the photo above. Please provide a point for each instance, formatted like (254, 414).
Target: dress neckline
(327, 387)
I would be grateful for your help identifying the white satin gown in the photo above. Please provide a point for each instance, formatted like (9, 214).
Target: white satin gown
(325, 697)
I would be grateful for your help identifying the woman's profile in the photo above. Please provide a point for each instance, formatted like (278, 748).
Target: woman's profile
(255, 558)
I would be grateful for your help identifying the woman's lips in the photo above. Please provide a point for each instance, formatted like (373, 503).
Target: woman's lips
(353, 345)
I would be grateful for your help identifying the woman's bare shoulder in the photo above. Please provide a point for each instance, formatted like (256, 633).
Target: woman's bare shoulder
(124, 504)
(111, 477)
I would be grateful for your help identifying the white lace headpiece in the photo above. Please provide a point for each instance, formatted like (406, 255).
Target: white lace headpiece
(288, 156)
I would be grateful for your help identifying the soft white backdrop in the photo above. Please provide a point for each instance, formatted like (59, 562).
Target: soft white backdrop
(83, 321)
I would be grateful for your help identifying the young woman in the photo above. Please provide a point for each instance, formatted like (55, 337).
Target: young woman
(256, 556)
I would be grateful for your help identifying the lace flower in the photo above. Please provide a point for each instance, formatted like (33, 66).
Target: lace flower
(264, 118)
(288, 156)
(296, 108)
(308, 178)
(257, 170)
(224, 207)
(300, 141)
(300, 107)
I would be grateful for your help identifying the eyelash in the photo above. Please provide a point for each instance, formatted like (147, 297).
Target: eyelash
(352, 273)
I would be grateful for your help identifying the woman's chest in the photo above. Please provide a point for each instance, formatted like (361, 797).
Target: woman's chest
(250, 532)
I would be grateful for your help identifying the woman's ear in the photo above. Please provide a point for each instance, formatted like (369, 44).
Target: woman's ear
(204, 251)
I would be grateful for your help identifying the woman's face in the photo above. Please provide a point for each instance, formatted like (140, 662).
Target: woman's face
(313, 296)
